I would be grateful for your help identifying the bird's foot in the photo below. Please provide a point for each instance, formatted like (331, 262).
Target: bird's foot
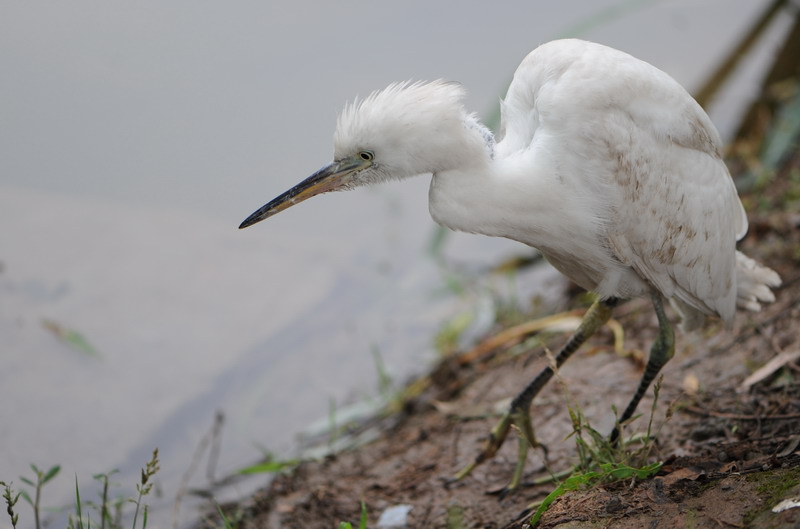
(519, 418)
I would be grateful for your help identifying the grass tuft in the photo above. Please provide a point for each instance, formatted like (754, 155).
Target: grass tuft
(145, 487)
(80, 518)
(11, 500)
(603, 461)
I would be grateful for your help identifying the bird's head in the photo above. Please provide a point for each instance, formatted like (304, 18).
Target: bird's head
(404, 130)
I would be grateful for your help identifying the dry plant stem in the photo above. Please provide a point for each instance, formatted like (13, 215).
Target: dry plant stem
(211, 438)
(739, 417)
(514, 335)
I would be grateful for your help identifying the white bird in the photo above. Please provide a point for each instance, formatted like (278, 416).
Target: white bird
(603, 163)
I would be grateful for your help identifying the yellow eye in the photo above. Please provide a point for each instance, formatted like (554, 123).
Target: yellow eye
(366, 155)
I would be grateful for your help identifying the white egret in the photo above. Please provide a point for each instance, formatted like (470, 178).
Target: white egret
(603, 163)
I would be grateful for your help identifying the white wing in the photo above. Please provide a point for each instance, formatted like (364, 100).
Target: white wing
(677, 219)
(673, 214)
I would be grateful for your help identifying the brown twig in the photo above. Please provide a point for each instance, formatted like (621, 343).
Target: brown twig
(740, 417)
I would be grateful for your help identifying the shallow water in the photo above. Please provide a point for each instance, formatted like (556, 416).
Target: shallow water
(134, 142)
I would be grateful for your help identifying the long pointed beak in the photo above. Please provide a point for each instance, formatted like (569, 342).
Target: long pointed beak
(329, 178)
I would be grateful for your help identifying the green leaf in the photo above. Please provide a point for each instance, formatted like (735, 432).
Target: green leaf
(26, 497)
(545, 505)
(27, 481)
(105, 475)
(648, 471)
(569, 484)
(269, 467)
(51, 473)
(345, 525)
(70, 337)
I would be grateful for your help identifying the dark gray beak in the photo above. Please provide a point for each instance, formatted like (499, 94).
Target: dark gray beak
(329, 178)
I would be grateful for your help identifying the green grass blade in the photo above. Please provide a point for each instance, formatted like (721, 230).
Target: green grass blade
(269, 467)
(569, 484)
(78, 503)
(226, 522)
(71, 337)
(362, 524)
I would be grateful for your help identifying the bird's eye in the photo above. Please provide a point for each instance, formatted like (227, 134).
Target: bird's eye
(366, 155)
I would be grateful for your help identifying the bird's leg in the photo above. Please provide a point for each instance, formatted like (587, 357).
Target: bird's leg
(519, 411)
(661, 351)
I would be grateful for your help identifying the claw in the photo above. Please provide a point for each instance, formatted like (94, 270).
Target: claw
(517, 416)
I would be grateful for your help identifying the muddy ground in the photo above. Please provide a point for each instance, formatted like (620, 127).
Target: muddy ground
(729, 454)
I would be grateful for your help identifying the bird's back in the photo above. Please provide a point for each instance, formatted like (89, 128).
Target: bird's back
(644, 159)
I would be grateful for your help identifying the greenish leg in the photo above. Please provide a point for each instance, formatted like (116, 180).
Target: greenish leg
(660, 353)
(519, 411)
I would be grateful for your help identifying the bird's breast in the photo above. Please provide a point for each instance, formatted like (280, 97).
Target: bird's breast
(550, 214)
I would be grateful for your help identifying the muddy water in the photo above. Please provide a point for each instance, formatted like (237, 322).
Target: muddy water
(133, 143)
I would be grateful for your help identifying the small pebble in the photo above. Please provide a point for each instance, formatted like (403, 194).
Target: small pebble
(395, 517)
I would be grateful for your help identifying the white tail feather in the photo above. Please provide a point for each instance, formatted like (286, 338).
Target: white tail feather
(754, 282)
(753, 288)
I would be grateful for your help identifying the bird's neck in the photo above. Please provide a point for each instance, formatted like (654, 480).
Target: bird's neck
(493, 192)
(503, 197)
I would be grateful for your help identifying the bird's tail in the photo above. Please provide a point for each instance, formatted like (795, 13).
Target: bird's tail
(753, 289)
(754, 283)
